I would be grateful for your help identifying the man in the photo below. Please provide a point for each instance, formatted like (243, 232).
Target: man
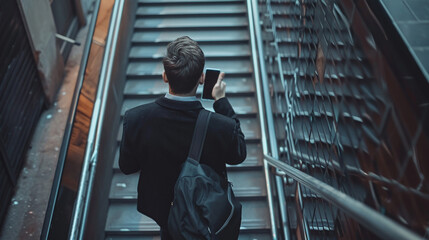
(157, 136)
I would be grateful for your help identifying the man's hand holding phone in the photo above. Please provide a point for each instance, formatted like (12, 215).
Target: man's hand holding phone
(219, 88)
(214, 87)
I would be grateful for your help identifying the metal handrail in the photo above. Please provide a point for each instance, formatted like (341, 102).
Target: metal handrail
(68, 129)
(269, 118)
(94, 136)
(256, 73)
(377, 223)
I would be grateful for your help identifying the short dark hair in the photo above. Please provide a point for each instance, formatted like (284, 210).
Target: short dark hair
(183, 64)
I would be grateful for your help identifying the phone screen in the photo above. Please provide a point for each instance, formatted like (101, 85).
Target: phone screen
(209, 82)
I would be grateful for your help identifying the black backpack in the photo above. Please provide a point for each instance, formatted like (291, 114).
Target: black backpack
(204, 205)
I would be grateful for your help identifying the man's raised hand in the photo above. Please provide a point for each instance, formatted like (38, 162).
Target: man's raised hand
(219, 88)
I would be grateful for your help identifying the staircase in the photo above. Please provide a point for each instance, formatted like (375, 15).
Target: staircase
(221, 29)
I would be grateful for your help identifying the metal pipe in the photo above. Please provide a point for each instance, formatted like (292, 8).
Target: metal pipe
(377, 223)
(83, 183)
(69, 126)
(261, 118)
(270, 119)
(67, 39)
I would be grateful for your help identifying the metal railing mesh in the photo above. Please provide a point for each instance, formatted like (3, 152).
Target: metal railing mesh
(337, 119)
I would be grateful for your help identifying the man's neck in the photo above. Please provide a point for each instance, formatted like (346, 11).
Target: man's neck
(191, 94)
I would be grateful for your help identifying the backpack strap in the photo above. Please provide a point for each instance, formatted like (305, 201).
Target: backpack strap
(200, 131)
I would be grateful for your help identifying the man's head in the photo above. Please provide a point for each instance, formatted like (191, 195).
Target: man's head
(183, 65)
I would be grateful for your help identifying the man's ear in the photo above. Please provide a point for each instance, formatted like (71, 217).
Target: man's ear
(164, 77)
(202, 78)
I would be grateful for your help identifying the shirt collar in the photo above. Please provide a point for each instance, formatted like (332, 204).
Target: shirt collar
(179, 105)
(181, 98)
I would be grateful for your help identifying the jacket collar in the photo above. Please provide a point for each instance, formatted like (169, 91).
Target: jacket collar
(179, 105)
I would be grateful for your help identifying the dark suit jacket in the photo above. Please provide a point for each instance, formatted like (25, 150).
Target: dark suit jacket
(156, 140)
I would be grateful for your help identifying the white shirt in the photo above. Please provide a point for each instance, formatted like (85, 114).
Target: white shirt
(181, 98)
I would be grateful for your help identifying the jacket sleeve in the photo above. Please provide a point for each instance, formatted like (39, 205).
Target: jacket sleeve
(238, 144)
(127, 160)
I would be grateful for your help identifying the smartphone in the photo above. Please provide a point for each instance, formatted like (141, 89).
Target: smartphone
(212, 75)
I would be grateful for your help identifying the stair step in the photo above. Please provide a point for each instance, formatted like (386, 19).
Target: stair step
(353, 90)
(246, 183)
(210, 51)
(205, 9)
(190, 23)
(138, 69)
(323, 157)
(168, 2)
(322, 131)
(319, 216)
(323, 107)
(220, 28)
(136, 88)
(212, 36)
(286, 10)
(123, 218)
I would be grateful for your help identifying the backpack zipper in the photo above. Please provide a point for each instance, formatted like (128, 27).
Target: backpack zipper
(232, 211)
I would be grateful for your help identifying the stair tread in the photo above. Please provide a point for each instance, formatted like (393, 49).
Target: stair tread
(320, 130)
(205, 8)
(246, 183)
(151, 68)
(155, 86)
(123, 217)
(191, 22)
(165, 37)
(210, 51)
(319, 216)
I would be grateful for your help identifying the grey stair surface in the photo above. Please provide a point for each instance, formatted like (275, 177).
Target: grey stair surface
(212, 36)
(210, 51)
(221, 28)
(154, 87)
(155, 67)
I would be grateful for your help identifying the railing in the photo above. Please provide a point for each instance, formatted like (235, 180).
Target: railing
(253, 18)
(266, 120)
(94, 137)
(69, 126)
(379, 224)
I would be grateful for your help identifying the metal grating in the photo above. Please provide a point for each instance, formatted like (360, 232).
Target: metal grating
(340, 119)
(21, 99)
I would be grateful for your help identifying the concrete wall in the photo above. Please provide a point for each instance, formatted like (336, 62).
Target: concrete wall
(40, 26)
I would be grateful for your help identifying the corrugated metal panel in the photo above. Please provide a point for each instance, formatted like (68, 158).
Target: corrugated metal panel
(21, 98)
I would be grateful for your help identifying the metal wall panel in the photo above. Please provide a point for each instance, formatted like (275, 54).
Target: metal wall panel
(21, 98)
